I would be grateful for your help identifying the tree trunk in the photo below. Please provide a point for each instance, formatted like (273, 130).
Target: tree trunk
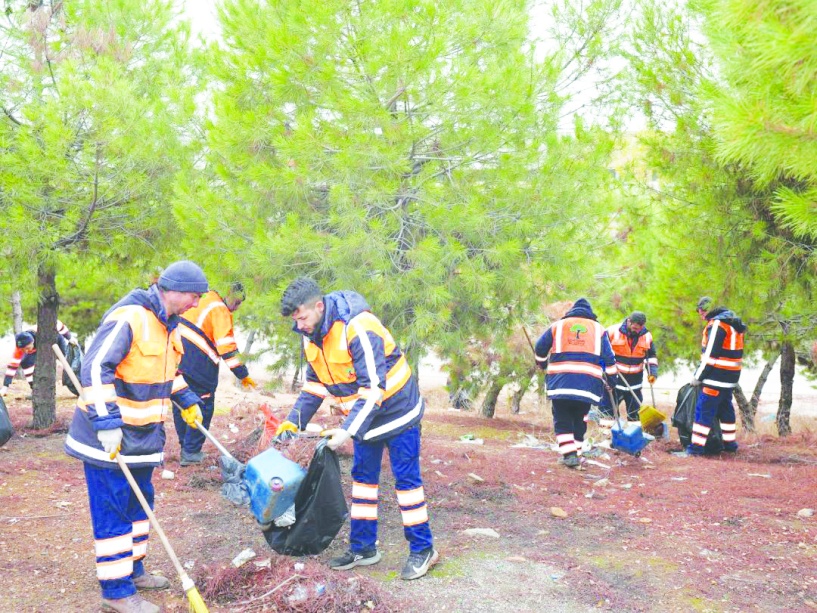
(17, 311)
(45, 373)
(491, 396)
(516, 400)
(296, 384)
(17, 318)
(250, 341)
(748, 408)
(787, 361)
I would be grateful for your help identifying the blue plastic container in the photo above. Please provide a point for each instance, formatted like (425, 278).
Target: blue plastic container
(272, 482)
(630, 440)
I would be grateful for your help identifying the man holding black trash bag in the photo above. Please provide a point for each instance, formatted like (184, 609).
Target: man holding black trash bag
(353, 357)
(716, 377)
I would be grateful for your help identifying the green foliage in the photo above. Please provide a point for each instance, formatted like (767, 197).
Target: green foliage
(709, 226)
(765, 113)
(97, 101)
(405, 149)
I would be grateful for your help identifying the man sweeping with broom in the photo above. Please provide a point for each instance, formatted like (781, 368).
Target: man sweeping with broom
(633, 345)
(129, 375)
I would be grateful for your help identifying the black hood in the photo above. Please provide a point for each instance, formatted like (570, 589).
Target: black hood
(581, 308)
(725, 315)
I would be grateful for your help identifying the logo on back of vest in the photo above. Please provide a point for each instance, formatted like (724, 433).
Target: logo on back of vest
(579, 329)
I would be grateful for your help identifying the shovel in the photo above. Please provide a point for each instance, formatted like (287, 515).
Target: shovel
(631, 439)
(232, 471)
(221, 448)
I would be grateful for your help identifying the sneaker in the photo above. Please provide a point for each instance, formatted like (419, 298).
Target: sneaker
(418, 563)
(571, 460)
(151, 582)
(192, 458)
(131, 604)
(730, 447)
(350, 559)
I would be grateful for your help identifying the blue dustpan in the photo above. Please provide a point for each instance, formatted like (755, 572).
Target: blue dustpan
(629, 439)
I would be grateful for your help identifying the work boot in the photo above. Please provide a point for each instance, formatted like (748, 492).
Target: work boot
(196, 457)
(571, 460)
(691, 451)
(350, 559)
(151, 582)
(418, 563)
(131, 604)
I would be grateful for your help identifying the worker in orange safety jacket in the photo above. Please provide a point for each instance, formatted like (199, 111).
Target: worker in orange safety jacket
(25, 354)
(716, 377)
(129, 376)
(352, 356)
(208, 339)
(633, 346)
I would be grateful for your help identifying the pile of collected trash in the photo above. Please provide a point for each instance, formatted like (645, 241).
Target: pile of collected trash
(277, 583)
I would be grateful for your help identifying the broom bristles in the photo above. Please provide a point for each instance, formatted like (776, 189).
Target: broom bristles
(196, 601)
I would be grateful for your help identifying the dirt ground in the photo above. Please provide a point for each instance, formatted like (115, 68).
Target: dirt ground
(656, 533)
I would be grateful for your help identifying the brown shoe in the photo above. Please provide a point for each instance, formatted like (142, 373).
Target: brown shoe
(151, 582)
(131, 604)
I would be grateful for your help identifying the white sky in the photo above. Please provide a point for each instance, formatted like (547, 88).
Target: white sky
(202, 17)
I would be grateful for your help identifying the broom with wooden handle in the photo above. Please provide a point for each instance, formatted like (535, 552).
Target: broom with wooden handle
(193, 597)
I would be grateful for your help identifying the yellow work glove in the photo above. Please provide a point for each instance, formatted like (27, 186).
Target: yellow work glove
(651, 379)
(191, 415)
(286, 426)
(248, 384)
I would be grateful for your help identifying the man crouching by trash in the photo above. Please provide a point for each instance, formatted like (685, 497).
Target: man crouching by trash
(577, 353)
(353, 357)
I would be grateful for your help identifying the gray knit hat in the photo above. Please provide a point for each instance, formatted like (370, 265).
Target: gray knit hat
(184, 276)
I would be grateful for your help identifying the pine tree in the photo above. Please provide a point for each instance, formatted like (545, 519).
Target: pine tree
(405, 149)
(713, 226)
(97, 102)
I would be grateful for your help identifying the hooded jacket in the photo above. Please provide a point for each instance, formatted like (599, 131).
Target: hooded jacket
(721, 350)
(26, 361)
(128, 376)
(631, 353)
(577, 353)
(353, 357)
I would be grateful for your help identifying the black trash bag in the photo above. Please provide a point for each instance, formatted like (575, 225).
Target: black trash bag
(234, 488)
(6, 429)
(74, 355)
(684, 418)
(320, 509)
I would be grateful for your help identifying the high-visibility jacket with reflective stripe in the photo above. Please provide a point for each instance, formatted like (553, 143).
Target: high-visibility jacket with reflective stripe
(630, 356)
(577, 353)
(355, 359)
(26, 361)
(129, 375)
(207, 336)
(721, 350)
